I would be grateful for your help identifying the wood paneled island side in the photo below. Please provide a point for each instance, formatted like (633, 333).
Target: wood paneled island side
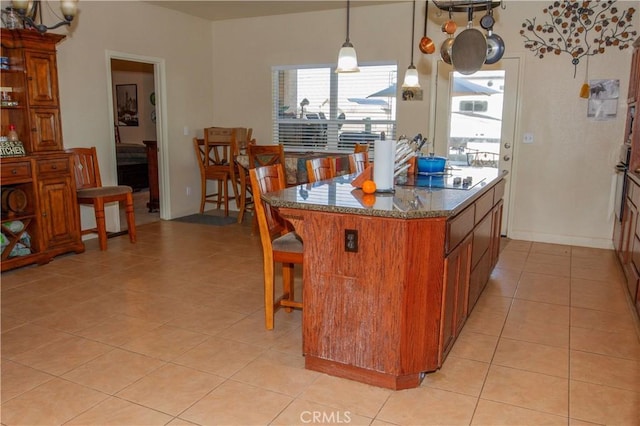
(389, 279)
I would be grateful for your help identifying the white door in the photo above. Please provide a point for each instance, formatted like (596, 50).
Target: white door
(474, 118)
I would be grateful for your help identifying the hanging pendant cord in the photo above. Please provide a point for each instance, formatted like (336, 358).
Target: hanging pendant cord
(413, 28)
(426, 16)
(348, 20)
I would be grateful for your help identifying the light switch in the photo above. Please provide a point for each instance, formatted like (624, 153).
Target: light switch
(527, 138)
(186, 130)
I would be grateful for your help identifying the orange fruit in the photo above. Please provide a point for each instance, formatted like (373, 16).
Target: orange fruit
(368, 186)
(369, 200)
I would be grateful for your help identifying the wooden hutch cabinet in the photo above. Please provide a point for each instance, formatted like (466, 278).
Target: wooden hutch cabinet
(40, 216)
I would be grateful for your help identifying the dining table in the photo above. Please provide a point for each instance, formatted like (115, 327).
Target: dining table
(295, 169)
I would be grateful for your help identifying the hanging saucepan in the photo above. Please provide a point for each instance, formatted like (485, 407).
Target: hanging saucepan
(469, 50)
(445, 49)
(487, 20)
(449, 26)
(495, 48)
(426, 44)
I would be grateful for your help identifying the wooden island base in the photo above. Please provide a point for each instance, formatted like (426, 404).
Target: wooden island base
(375, 378)
(386, 295)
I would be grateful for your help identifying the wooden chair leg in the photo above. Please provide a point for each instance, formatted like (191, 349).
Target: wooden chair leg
(243, 197)
(225, 196)
(287, 283)
(268, 294)
(220, 193)
(101, 225)
(131, 219)
(203, 195)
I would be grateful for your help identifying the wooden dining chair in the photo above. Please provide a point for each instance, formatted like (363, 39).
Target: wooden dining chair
(265, 155)
(357, 162)
(216, 162)
(90, 191)
(258, 155)
(280, 244)
(321, 168)
(362, 147)
(242, 137)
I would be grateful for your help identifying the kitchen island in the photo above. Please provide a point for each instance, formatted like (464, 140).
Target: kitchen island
(389, 279)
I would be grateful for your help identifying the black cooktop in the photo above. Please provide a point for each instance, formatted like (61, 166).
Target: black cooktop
(438, 181)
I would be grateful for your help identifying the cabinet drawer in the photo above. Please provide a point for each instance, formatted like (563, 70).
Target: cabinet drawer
(15, 171)
(53, 165)
(459, 227)
(481, 240)
(484, 205)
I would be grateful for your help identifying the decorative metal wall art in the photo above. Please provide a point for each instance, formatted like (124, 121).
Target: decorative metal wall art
(579, 28)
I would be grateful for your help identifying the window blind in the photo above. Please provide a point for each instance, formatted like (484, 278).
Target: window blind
(316, 109)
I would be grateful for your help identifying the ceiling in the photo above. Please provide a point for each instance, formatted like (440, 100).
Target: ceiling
(222, 10)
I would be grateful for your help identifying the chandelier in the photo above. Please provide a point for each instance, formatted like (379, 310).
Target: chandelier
(30, 13)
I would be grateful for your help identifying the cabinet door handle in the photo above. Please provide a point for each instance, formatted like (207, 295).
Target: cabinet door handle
(34, 129)
(54, 167)
(14, 172)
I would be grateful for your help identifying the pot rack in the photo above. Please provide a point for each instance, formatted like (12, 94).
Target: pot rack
(465, 5)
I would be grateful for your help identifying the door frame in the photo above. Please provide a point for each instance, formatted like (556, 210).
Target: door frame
(160, 87)
(507, 220)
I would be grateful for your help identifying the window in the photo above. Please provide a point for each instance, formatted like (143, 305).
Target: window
(474, 106)
(315, 109)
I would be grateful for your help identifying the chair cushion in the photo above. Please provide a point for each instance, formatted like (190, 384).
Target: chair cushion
(104, 191)
(289, 242)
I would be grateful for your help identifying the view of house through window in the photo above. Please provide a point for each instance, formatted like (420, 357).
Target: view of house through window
(316, 109)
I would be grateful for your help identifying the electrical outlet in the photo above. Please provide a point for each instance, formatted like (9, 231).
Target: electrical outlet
(351, 240)
(527, 138)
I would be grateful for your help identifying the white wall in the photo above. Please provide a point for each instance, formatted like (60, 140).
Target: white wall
(562, 183)
(135, 28)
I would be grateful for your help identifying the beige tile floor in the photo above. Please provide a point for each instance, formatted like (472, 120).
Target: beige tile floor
(170, 331)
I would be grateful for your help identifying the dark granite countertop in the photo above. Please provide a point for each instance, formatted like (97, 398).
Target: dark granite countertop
(406, 202)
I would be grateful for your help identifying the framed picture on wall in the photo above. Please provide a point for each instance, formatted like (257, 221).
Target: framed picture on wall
(127, 104)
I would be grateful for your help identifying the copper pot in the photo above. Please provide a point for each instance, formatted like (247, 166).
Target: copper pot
(449, 27)
(427, 45)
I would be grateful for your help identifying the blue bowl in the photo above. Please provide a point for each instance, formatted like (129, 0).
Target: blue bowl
(431, 164)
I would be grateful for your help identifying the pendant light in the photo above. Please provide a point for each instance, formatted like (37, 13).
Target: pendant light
(347, 59)
(411, 80)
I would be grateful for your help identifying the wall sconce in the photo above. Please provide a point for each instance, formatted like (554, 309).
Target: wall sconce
(347, 59)
(411, 79)
(30, 10)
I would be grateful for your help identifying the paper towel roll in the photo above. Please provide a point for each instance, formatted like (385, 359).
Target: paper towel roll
(384, 161)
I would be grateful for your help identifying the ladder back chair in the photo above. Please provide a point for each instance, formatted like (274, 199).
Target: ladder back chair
(243, 140)
(321, 168)
(259, 155)
(216, 161)
(357, 162)
(90, 191)
(362, 147)
(280, 244)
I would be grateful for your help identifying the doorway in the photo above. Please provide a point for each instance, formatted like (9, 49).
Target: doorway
(475, 119)
(135, 110)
